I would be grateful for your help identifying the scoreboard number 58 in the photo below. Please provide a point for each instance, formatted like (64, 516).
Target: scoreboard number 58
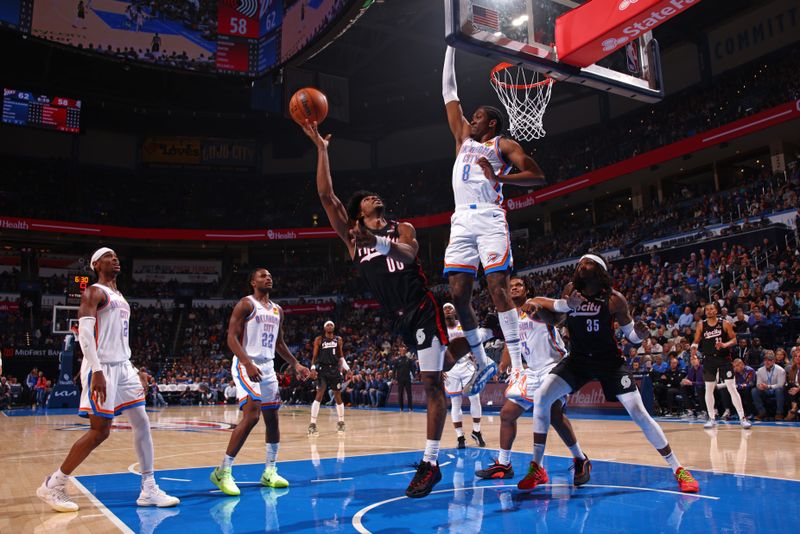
(238, 26)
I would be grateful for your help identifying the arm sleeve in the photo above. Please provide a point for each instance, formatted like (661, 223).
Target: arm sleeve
(449, 87)
(87, 341)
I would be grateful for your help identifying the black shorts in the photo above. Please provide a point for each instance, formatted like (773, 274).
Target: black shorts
(716, 368)
(609, 369)
(421, 324)
(329, 377)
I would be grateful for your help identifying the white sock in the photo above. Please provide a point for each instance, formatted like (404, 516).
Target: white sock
(476, 347)
(272, 455)
(431, 451)
(227, 462)
(576, 451)
(148, 479)
(672, 461)
(509, 324)
(314, 411)
(460, 431)
(538, 453)
(340, 411)
(504, 457)
(476, 427)
(57, 479)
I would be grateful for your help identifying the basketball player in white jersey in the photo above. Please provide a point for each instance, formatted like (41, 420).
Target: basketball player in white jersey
(110, 386)
(459, 376)
(327, 364)
(478, 230)
(542, 349)
(255, 335)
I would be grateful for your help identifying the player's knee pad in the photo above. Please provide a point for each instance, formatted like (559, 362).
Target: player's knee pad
(475, 408)
(455, 409)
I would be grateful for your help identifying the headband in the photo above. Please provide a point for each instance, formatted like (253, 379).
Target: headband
(328, 323)
(595, 258)
(99, 253)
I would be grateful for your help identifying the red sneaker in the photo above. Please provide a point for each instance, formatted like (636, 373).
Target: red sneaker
(686, 481)
(496, 470)
(536, 475)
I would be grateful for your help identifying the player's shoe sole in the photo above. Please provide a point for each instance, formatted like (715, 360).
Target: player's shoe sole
(481, 378)
(496, 471)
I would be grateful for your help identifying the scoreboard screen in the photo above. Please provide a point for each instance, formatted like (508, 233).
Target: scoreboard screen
(246, 42)
(51, 113)
(76, 286)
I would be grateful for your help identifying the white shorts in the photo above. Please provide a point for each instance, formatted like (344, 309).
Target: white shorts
(123, 390)
(478, 236)
(458, 376)
(266, 391)
(521, 392)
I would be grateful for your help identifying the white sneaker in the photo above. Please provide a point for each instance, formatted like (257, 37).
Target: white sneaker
(746, 424)
(152, 495)
(56, 497)
(711, 423)
(726, 414)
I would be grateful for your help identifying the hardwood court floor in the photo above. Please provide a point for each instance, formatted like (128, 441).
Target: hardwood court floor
(33, 446)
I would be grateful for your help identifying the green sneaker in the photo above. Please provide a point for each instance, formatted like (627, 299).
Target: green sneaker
(272, 479)
(223, 479)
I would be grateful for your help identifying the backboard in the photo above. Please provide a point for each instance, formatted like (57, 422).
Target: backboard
(64, 318)
(523, 32)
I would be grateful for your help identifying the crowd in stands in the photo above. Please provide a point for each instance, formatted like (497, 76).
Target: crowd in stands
(754, 196)
(561, 157)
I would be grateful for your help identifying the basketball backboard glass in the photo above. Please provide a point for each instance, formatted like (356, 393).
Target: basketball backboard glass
(523, 32)
(64, 318)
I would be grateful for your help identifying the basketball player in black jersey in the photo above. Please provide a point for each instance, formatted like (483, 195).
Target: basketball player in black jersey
(327, 360)
(714, 338)
(592, 306)
(385, 254)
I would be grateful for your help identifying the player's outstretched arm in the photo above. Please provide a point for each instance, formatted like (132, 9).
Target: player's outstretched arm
(334, 209)
(239, 315)
(459, 124)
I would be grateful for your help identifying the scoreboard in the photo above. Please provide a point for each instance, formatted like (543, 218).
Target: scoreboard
(76, 286)
(51, 113)
(244, 43)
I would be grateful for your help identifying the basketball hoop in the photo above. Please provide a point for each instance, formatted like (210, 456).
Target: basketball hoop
(525, 96)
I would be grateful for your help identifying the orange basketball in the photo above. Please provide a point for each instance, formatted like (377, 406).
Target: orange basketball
(308, 104)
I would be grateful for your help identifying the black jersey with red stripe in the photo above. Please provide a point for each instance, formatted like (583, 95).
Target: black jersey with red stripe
(396, 285)
(591, 329)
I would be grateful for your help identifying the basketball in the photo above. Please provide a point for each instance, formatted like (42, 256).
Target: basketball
(308, 104)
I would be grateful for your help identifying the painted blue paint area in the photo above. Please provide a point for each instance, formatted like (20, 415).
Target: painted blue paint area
(335, 495)
(118, 21)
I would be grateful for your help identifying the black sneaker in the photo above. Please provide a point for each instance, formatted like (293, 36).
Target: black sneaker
(478, 439)
(583, 470)
(496, 470)
(462, 442)
(427, 477)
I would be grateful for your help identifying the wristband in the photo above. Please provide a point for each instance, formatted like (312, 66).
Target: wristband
(382, 245)
(561, 306)
(313, 367)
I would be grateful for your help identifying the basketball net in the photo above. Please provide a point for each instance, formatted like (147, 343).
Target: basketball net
(525, 95)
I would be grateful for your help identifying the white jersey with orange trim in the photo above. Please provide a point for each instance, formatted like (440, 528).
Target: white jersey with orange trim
(455, 332)
(541, 343)
(260, 332)
(470, 186)
(112, 327)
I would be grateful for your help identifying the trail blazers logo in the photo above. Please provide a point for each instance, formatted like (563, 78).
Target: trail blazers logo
(248, 8)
